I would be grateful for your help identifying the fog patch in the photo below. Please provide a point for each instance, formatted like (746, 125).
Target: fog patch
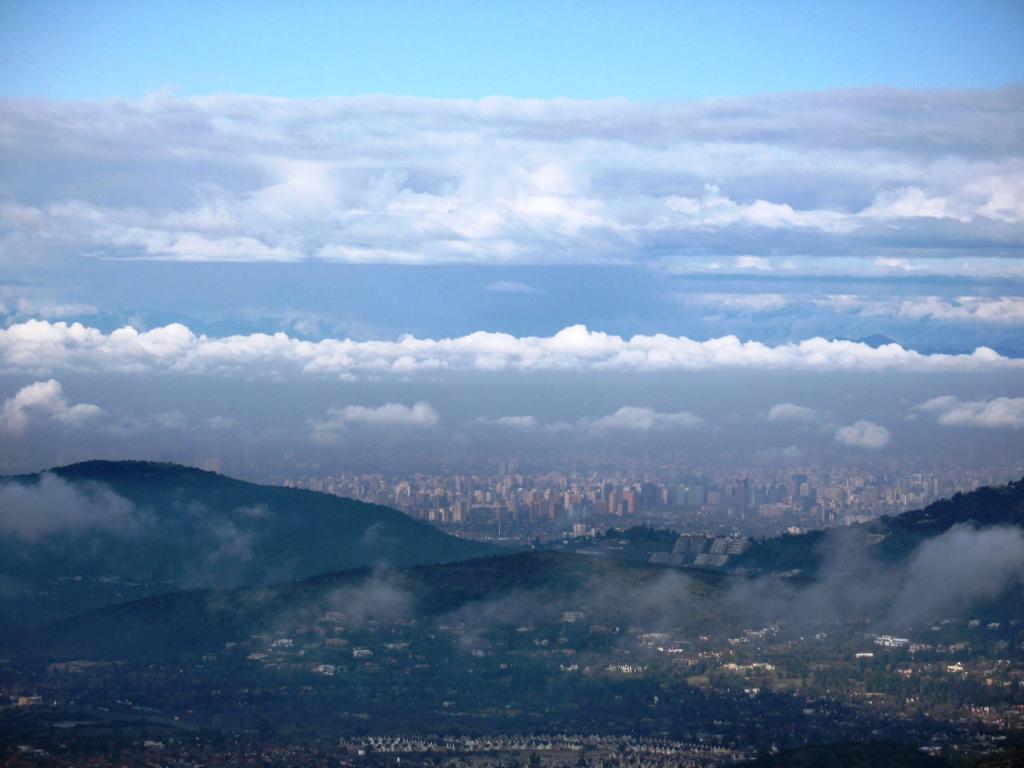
(961, 566)
(222, 549)
(374, 538)
(230, 549)
(54, 506)
(662, 603)
(946, 573)
(380, 597)
(254, 511)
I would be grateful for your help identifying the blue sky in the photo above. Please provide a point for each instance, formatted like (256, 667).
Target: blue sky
(202, 254)
(82, 49)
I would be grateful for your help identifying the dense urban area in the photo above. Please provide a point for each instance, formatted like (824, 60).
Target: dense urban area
(520, 507)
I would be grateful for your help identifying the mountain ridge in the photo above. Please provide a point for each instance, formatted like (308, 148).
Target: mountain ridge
(91, 533)
(889, 538)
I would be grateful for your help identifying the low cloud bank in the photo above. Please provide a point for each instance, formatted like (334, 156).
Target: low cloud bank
(41, 345)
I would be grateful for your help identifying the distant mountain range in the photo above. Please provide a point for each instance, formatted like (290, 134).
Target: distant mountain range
(105, 531)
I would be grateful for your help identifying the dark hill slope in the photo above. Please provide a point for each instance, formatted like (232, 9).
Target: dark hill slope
(525, 586)
(125, 529)
(888, 539)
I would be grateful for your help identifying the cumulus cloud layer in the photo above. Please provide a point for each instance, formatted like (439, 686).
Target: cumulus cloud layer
(993, 414)
(41, 345)
(863, 434)
(44, 401)
(410, 181)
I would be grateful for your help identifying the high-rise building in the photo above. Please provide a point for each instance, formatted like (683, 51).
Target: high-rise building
(630, 502)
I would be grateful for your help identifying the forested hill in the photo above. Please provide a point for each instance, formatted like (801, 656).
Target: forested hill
(109, 527)
(889, 538)
(492, 591)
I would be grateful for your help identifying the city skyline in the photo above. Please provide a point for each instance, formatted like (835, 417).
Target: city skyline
(517, 505)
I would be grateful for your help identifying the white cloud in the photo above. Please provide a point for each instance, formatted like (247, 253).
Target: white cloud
(998, 268)
(753, 303)
(388, 415)
(715, 210)
(1002, 310)
(902, 265)
(628, 418)
(51, 311)
(1008, 310)
(792, 412)
(510, 422)
(912, 202)
(405, 180)
(863, 434)
(44, 400)
(640, 419)
(52, 505)
(1000, 412)
(36, 346)
(20, 303)
(758, 263)
(1005, 309)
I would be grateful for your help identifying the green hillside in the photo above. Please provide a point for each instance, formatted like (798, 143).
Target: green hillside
(98, 532)
(531, 585)
(888, 539)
